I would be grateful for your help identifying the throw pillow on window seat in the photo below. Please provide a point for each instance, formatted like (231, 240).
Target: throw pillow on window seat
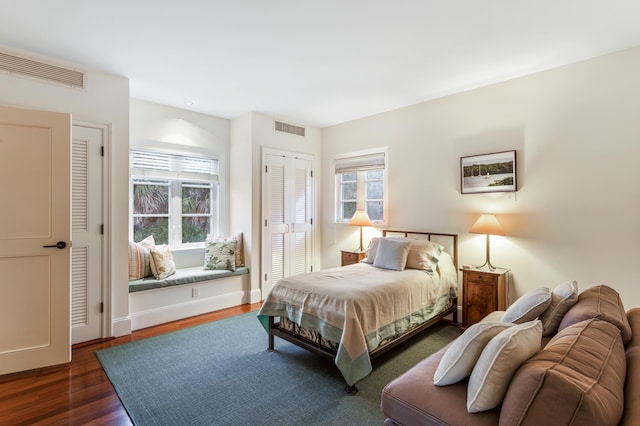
(220, 255)
(140, 258)
(162, 264)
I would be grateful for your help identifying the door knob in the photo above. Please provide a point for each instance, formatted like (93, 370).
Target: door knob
(59, 245)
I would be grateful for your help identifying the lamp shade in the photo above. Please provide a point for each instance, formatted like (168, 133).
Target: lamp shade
(360, 218)
(487, 224)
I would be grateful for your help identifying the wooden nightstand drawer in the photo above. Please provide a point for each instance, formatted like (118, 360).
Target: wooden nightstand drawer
(350, 257)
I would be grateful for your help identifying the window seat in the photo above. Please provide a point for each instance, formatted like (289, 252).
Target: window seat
(184, 276)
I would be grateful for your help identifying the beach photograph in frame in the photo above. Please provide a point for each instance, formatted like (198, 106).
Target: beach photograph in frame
(494, 172)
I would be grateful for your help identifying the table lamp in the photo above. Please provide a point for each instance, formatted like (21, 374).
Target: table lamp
(489, 225)
(360, 218)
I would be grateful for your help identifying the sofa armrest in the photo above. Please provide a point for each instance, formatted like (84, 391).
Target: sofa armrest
(632, 384)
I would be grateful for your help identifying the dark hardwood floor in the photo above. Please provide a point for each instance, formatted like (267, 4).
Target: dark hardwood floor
(80, 393)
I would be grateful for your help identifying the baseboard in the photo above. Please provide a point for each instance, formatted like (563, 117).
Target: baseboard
(161, 315)
(121, 326)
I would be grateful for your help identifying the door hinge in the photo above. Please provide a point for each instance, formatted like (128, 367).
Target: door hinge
(265, 223)
(312, 269)
(102, 229)
(265, 277)
(265, 169)
(102, 151)
(101, 307)
(311, 221)
(311, 173)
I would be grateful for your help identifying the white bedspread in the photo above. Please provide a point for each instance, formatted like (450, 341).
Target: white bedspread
(360, 306)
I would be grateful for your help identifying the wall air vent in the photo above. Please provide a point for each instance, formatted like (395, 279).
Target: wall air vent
(289, 128)
(23, 66)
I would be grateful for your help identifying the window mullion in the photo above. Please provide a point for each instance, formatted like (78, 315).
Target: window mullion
(175, 217)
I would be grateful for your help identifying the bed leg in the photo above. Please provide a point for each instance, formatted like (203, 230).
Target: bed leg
(455, 313)
(271, 346)
(351, 389)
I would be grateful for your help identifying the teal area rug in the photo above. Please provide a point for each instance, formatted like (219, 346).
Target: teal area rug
(220, 373)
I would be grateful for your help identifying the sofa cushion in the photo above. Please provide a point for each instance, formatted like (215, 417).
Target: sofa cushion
(563, 297)
(600, 302)
(499, 360)
(632, 384)
(528, 307)
(457, 363)
(577, 379)
(413, 399)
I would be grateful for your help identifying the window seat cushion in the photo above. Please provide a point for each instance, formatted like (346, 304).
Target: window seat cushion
(184, 276)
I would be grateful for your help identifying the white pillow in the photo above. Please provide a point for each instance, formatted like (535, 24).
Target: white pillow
(372, 250)
(529, 306)
(423, 255)
(162, 264)
(498, 362)
(563, 297)
(459, 359)
(392, 254)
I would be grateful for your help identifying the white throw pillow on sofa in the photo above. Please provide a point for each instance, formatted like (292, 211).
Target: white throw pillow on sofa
(459, 359)
(498, 362)
(529, 306)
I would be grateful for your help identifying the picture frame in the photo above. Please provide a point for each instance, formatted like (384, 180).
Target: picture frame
(494, 172)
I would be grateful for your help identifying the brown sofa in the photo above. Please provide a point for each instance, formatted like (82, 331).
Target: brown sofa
(587, 373)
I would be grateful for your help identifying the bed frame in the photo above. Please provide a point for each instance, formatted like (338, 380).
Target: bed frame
(448, 241)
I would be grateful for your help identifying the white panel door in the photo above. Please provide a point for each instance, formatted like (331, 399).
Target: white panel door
(35, 233)
(86, 228)
(287, 223)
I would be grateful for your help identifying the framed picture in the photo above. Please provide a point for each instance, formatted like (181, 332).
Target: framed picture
(494, 172)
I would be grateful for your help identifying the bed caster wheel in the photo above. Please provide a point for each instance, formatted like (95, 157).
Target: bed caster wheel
(351, 390)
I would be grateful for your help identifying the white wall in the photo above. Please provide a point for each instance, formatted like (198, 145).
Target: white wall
(105, 101)
(575, 215)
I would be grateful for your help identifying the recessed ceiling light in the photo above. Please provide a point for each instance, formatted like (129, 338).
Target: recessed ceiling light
(188, 103)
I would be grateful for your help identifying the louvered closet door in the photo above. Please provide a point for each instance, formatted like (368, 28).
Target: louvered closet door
(86, 221)
(287, 207)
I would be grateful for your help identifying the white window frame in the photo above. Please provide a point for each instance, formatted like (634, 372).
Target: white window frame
(175, 170)
(360, 162)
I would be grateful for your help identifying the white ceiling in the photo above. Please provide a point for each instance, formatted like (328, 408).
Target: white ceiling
(318, 62)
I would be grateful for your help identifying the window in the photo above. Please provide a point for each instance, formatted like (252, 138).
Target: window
(174, 197)
(360, 184)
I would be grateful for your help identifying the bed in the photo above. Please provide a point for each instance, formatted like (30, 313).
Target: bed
(354, 313)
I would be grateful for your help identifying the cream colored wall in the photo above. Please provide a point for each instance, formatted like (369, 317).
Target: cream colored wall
(156, 126)
(577, 138)
(250, 133)
(105, 101)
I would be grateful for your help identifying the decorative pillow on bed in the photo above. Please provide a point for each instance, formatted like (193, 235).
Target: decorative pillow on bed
(424, 255)
(372, 249)
(239, 245)
(563, 297)
(139, 258)
(459, 359)
(392, 254)
(498, 362)
(220, 255)
(528, 306)
(162, 264)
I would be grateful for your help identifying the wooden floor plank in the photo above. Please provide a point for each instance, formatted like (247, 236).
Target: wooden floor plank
(81, 393)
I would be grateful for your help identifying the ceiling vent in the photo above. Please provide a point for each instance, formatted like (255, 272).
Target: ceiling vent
(20, 65)
(289, 128)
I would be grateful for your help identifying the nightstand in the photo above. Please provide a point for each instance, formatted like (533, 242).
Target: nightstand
(349, 257)
(483, 291)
